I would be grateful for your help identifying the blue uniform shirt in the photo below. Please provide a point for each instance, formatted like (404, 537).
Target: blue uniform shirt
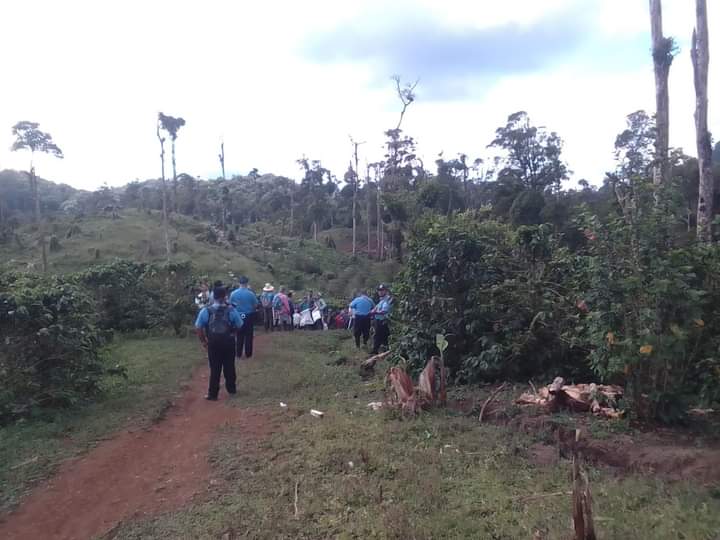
(362, 305)
(203, 318)
(244, 300)
(383, 308)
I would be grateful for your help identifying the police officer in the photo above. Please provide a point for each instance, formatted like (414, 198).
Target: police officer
(246, 302)
(381, 314)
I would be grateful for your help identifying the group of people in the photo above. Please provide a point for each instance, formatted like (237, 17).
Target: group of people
(226, 320)
(280, 312)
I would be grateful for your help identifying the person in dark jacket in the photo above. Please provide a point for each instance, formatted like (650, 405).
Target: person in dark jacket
(217, 326)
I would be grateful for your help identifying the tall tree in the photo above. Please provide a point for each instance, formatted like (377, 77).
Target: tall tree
(355, 181)
(172, 125)
(532, 155)
(221, 156)
(164, 187)
(28, 136)
(700, 55)
(663, 50)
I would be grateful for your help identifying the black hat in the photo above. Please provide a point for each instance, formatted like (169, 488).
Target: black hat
(382, 287)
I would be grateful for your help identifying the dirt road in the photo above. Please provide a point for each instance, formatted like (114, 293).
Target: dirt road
(136, 473)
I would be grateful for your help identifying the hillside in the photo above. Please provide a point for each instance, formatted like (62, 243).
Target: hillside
(257, 251)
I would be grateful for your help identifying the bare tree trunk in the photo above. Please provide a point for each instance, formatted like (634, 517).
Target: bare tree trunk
(174, 184)
(164, 193)
(292, 208)
(38, 218)
(700, 54)
(315, 230)
(379, 240)
(367, 187)
(221, 155)
(662, 51)
(354, 206)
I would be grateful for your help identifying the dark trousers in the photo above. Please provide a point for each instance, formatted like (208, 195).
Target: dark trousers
(382, 335)
(361, 328)
(245, 336)
(268, 318)
(221, 357)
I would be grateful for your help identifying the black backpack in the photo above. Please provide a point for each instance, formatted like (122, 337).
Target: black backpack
(219, 328)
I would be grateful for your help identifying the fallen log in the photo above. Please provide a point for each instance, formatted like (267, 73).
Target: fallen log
(489, 400)
(370, 362)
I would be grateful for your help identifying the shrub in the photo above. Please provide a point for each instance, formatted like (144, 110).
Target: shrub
(497, 294)
(50, 356)
(139, 296)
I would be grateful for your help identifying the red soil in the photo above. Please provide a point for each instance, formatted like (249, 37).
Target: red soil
(136, 473)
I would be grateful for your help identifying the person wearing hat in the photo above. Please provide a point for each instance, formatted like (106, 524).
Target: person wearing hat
(246, 302)
(266, 301)
(380, 313)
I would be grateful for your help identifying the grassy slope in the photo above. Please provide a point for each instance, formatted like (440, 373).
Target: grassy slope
(300, 264)
(32, 449)
(437, 476)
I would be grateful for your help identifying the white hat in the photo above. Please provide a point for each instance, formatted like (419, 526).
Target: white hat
(268, 288)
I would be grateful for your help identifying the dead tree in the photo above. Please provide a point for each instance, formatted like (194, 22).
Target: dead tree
(662, 50)
(164, 189)
(700, 55)
(221, 156)
(356, 181)
(406, 95)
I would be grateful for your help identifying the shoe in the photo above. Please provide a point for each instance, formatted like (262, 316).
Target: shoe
(232, 392)
(211, 398)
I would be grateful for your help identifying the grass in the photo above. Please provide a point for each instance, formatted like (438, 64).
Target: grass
(261, 254)
(361, 474)
(31, 450)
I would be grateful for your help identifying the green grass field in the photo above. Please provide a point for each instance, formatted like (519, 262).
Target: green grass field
(31, 450)
(361, 474)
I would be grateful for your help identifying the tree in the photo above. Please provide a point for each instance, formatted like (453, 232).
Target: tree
(663, 51)
(532, 154)
(28, 136)
(164, 187)
(355, 181)
(221, 156)
(172, 125)
(634, 154)
(700, 54)
(315, 191)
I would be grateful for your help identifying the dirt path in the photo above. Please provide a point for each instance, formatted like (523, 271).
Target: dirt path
(136, 473)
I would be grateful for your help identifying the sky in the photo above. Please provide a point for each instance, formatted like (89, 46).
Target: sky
(279, 80)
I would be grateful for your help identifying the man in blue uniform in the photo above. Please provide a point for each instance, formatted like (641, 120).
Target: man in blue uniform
(246, 302)
(361, 307)
(381, 314)
(216, 326)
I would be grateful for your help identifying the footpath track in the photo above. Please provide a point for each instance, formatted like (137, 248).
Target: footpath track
(135, 473)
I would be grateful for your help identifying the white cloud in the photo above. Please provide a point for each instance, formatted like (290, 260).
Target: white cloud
(95, 75)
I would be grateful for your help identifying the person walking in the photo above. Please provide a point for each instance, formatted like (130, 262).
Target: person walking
(246, 303)
(381, 314)
(216, 327)
(361, 307)
(266, 301)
